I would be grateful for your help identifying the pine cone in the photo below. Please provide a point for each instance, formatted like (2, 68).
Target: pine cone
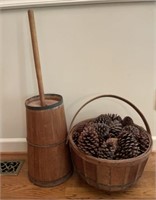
(102, 130)
(88, 141)
(80, 127)
(105, 152)
(127, 121)
(132, 129)
(75, 137)
(140, 134)
(115, 117)
(115, 128)
(77, 132)
(143, 139)
(128, 146)
(113, 121)
(107, 149)
(104, 118)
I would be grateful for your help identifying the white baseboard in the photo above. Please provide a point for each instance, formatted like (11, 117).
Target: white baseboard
(13, 145)
(20, 144)
(154, 143)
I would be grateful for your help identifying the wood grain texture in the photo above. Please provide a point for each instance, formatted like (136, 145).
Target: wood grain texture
(19, 187)
(46, 127)
(47, 148)
(36, 55)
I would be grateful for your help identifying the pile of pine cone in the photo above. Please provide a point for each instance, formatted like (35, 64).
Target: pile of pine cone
(110, 137)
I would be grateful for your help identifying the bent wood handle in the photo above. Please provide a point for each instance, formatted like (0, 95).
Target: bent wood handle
(116, 97)
(36, 56)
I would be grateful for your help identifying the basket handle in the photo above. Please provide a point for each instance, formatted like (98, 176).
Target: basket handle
(116, 97)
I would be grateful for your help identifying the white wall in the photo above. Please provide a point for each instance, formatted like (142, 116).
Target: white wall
(85, 51)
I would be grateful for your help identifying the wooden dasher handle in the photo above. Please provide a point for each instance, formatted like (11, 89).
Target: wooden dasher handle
(116, 97)
(36, 56)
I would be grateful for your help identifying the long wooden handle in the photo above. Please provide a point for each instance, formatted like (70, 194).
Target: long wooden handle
(36, 56)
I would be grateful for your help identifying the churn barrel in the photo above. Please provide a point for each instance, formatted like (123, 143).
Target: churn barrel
(49, 161)
(48, 154)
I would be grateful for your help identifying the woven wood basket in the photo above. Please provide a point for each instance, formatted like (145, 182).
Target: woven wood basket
(108, 175)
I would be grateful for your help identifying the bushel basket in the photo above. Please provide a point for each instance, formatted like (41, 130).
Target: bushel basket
(108, 174)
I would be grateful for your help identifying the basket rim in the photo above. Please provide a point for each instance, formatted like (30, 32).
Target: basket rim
(103, 159)
(50, 96)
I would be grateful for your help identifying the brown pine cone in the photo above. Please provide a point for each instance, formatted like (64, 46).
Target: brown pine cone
(80, 127)
(127, 121)
(107, 149)
(128, 146)
(115, 117)
(105, 152)
(132, 129)
(115, 128)
(141, 135)
(143, 139)
(143, 142)
(77, 132)
(88, 141)
(104, 118)
(75, 137)
(102, 130)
